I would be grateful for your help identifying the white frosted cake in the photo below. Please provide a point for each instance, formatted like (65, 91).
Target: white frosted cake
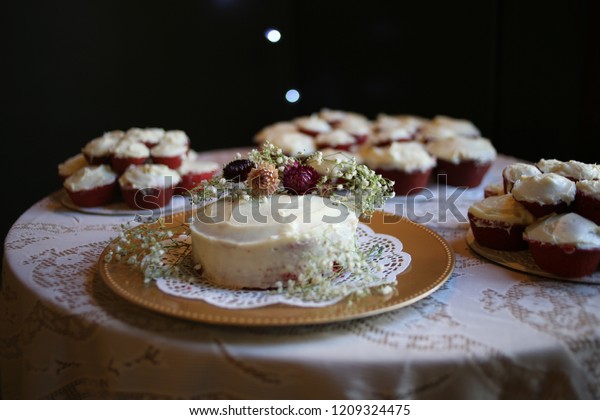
(260, 243)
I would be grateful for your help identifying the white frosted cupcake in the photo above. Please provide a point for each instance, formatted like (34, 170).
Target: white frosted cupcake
(332, 116)
(71, 165)
(357, 127)
(129, 152)
(512, 173)
(169, 154)
(92, 186)
(406, 163)
(176, 137)
(274, 130)
(385, 137)
(587, 200)
(294, 143)
(458, 126)
(545, 193)
(193, 172)
(336, 139)
(498, 222)
(566, 245)
(312, 125)
(411, 123)
(463, 160)
(149, 136)
(574, 170)
(99, 151)
(148, 186)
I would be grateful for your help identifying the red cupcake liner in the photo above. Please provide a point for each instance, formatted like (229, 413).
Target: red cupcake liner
(468, 173)
(191, 181)
(309, 132)
(95, 197)
(98, 160)
(360, 138)
(172, 162)
(146, 198)
(564, 260)
(541, 210)
(406, 183)
(498, 235)
(120, 165)
(587, 206)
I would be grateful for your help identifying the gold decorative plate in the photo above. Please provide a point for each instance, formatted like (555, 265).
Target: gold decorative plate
(521, 261)
(432, 264)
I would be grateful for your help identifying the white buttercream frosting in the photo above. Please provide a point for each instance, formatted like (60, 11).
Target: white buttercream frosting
(166, 149)
(434, 132)
(149, 175)
(176, 137)
(90, 177)
(197, 167)
(131, 149)
(512, 173)
(408, 122)
(544, 189)
(274, 130)
(332, 115)
(356, 126)
(294, 143)
(145, 135)
(313, 124)
(572, 169)
(71, 165)
(255, 243)
(590, 188)
(565, 229)
(335, 138)
(104, 145)
(391, 134)
(406, 156)
(502, 208)
(458, 126)
(333, 162)
(456, 149)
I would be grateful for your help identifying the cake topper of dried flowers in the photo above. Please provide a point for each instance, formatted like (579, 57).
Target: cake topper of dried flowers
(263, 173)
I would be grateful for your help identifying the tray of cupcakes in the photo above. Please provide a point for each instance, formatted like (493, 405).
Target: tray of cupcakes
(410, 150)
(543, 221)
(122, 172)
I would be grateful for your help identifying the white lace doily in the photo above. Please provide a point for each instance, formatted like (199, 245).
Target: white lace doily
(191, 286)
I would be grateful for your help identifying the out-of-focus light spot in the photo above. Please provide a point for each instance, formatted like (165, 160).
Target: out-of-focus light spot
(273, 35)
(292, 95)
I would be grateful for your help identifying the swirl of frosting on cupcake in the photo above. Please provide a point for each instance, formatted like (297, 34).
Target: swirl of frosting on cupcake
(565, 229)
(456, 149)
(167, 149)
(517, 171)
(177, 137)
(411, 123)
(391, 134)
(405, 156)
(104, 145)
(149, 175)
(502, 208)
(335, 138)
(357, 126)
(294, 143)
(190, 166)
(575, 170)
(131, 149)
(145, 135)
(544, 189)
(90, 177)
(72, 165)
(312, 124)
(271, 131)
(458, 126)
(590, 188)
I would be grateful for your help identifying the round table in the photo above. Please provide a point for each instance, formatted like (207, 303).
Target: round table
(488, 332)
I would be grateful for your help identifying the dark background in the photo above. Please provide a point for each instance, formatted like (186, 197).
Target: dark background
(525, 72)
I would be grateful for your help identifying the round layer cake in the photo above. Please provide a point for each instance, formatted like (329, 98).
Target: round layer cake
(258, 243)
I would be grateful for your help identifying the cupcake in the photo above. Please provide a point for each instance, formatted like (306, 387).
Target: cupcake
(498, 222)
(587, 200)
(128, 153)
(566, 245)
(543, 194)
(148, 186)
(92, 186)
(71, 165)
(274, 130)
(464, 161)
(332, 116)
(294, 143)
(492, 190)
(176, 137)
(357, 127)
(516, 171)
(169, 154)
(430, 133)
(410, 123)
(149, 136)
(407, 164)
(99, 151)
(313, 125)
(574, 170)
(385, 137)
(464, 128)
(193, 172)
(336, 139)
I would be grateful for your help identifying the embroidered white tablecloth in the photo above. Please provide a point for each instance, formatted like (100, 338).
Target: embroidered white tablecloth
(489, 332)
